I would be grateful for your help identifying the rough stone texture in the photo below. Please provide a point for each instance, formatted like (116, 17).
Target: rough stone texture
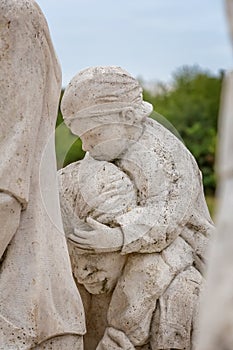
(217, 316)
(38, 298)
(65, 342)
(135, 217)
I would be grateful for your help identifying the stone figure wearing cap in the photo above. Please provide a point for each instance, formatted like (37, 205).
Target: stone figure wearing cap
(168, 223)
(40, 307)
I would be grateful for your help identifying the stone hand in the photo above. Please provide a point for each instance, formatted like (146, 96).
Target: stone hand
(10, 210)
(100, 239)
(114, 339)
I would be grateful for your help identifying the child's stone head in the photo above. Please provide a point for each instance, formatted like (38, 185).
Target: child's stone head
(98, 273)
(105, 108)
(102, 192)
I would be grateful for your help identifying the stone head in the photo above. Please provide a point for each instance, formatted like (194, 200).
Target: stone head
(98, 273)
(105, 108)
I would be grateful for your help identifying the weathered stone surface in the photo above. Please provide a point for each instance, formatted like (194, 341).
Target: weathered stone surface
(135, 218)
(38, 297)
(217, 316)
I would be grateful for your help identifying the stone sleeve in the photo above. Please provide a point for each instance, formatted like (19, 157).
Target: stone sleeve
(22, 85)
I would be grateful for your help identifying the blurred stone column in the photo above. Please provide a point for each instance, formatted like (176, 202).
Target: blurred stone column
(217, 316)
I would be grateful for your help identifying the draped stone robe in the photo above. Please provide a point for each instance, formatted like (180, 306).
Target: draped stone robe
(38, 298)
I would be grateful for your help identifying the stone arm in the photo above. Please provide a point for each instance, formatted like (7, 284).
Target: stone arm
(10, 210)
(170, 193)
(22, 93)
(154, 226)
(144, 231)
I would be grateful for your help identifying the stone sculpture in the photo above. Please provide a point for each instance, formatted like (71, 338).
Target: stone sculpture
(217, 316)
(135, 217)
(40, 306)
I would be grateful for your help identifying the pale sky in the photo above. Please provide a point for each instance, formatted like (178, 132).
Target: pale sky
(149, 38)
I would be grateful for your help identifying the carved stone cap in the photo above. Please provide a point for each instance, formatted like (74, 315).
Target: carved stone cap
(96, 89)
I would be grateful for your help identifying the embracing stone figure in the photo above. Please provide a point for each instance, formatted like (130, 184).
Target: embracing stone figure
(40, 307)
(135, 217)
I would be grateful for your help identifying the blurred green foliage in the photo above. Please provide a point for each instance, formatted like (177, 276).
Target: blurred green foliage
(190, 106)
(68, 146)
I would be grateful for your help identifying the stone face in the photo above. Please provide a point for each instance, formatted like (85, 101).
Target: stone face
(135, 218)
(38, 298)
(217, 316)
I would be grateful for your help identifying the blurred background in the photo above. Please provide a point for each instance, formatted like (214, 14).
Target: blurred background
(179, 50)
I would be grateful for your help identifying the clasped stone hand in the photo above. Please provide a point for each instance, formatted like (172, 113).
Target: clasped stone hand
(114, 339)
(101, 238)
